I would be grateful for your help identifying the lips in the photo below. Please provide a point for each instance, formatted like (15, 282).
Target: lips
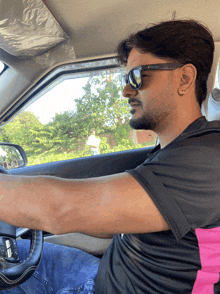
(134, 102)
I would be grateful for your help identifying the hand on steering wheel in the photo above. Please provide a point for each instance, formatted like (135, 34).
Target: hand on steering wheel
(12, 271)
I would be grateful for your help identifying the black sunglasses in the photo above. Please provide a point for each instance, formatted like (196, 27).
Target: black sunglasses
(135, 79)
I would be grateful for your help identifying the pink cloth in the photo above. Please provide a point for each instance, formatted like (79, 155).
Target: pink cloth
(209, 248)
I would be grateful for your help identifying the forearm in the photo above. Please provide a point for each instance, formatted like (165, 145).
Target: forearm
(27, 201)
(47, 203)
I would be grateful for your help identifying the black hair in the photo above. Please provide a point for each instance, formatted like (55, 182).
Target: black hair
(184, 41)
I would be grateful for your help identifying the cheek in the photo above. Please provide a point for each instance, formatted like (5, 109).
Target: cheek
(160, 97)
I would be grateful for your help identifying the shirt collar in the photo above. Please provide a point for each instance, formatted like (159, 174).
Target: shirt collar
(193, 126)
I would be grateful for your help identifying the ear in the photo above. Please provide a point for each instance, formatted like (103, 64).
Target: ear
(188, 75)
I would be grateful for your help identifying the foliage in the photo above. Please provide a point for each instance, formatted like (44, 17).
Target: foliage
(104, 146)
(19, 131)
(121, 133)
(51, 157)
(102, 107)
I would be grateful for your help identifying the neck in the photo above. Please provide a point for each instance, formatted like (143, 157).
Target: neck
(174, 127)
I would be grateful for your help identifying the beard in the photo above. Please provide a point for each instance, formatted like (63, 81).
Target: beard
(145, 122)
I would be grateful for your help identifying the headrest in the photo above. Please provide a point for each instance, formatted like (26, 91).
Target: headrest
(213, 107)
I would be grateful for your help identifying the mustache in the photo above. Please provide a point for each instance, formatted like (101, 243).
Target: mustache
(131, 100)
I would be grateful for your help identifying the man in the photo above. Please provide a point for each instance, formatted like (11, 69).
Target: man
(93, 142)
(164, 214)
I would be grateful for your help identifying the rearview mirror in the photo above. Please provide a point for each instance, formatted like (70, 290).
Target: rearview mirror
(12, 156)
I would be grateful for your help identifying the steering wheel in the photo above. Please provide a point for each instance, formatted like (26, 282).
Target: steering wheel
(12, 271)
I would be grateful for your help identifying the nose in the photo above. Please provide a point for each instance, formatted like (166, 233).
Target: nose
(128, 92)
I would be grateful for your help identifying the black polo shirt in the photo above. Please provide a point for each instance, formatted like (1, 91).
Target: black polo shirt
(183, 180)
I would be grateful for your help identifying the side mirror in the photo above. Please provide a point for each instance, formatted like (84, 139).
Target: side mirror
(12, 156)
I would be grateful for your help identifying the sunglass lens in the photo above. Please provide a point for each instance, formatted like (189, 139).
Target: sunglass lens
(135, 79)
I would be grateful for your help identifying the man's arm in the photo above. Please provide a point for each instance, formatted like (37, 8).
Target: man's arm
(98, 206)
(93, 146)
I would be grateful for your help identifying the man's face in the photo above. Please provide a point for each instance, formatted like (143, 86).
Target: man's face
(155, 101)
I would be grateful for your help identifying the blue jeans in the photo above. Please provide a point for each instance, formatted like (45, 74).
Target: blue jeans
(62, 270)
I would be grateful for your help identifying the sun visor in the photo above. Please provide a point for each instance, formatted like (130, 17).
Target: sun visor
(27, 28)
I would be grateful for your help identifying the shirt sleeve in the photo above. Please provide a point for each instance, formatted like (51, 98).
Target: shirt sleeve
(185, 186)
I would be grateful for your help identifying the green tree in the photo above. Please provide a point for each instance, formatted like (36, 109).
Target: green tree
(19, 131)
(58, 135)
(102, 107)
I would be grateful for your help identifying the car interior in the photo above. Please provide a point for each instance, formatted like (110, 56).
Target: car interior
(44, 42)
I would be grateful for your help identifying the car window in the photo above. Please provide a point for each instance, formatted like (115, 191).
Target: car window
(83, 115)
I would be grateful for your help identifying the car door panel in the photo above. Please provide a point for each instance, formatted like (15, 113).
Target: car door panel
(93, 166)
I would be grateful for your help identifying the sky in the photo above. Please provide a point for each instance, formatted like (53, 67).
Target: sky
(59, 99)
(1, 66)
